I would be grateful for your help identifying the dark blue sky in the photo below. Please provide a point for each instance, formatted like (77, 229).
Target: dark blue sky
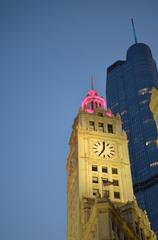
(48, 51)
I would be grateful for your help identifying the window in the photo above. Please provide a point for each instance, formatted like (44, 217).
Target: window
(149, 142)
(92, 105)
(94, 168)
(144, 102)
(101, 126)
(95, 192)
(94, 179)
(154, 164)
(100, 114)
(144, 91)
(105, 181)
(91, 125)
(117, 195)
(123, 112)
(148, 121)
(114, 171)
(110, 128)
(115, 182)
(106, 193)
(104, 169)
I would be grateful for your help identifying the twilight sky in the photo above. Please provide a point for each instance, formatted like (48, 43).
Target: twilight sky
(48, 51)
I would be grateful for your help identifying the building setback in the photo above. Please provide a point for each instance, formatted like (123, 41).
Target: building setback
(128, 91)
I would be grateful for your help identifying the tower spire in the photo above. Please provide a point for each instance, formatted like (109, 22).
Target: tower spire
(92, 82)
(134, 31)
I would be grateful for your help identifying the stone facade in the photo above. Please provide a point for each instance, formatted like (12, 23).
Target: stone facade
(100, 200)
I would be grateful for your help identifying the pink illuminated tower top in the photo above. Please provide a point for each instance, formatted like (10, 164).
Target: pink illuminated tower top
(92, 101)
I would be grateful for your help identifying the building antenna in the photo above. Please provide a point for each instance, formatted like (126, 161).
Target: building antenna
(134, 31)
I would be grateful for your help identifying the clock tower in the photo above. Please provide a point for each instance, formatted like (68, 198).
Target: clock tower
(98, 170)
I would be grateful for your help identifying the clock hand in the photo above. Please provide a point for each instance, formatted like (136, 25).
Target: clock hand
(102, 149)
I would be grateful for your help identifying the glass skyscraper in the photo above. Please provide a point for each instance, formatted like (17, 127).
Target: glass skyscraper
(128, 91)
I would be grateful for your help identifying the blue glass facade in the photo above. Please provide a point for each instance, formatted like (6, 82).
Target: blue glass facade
(128, 92)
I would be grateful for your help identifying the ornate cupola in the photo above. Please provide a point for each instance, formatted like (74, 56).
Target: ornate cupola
(92, 101)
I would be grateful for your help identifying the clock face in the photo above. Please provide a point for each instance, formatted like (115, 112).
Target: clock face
(103, 149)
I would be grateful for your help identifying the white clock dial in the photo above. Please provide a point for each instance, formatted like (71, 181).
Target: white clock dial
(98, 147)
(103, 149)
